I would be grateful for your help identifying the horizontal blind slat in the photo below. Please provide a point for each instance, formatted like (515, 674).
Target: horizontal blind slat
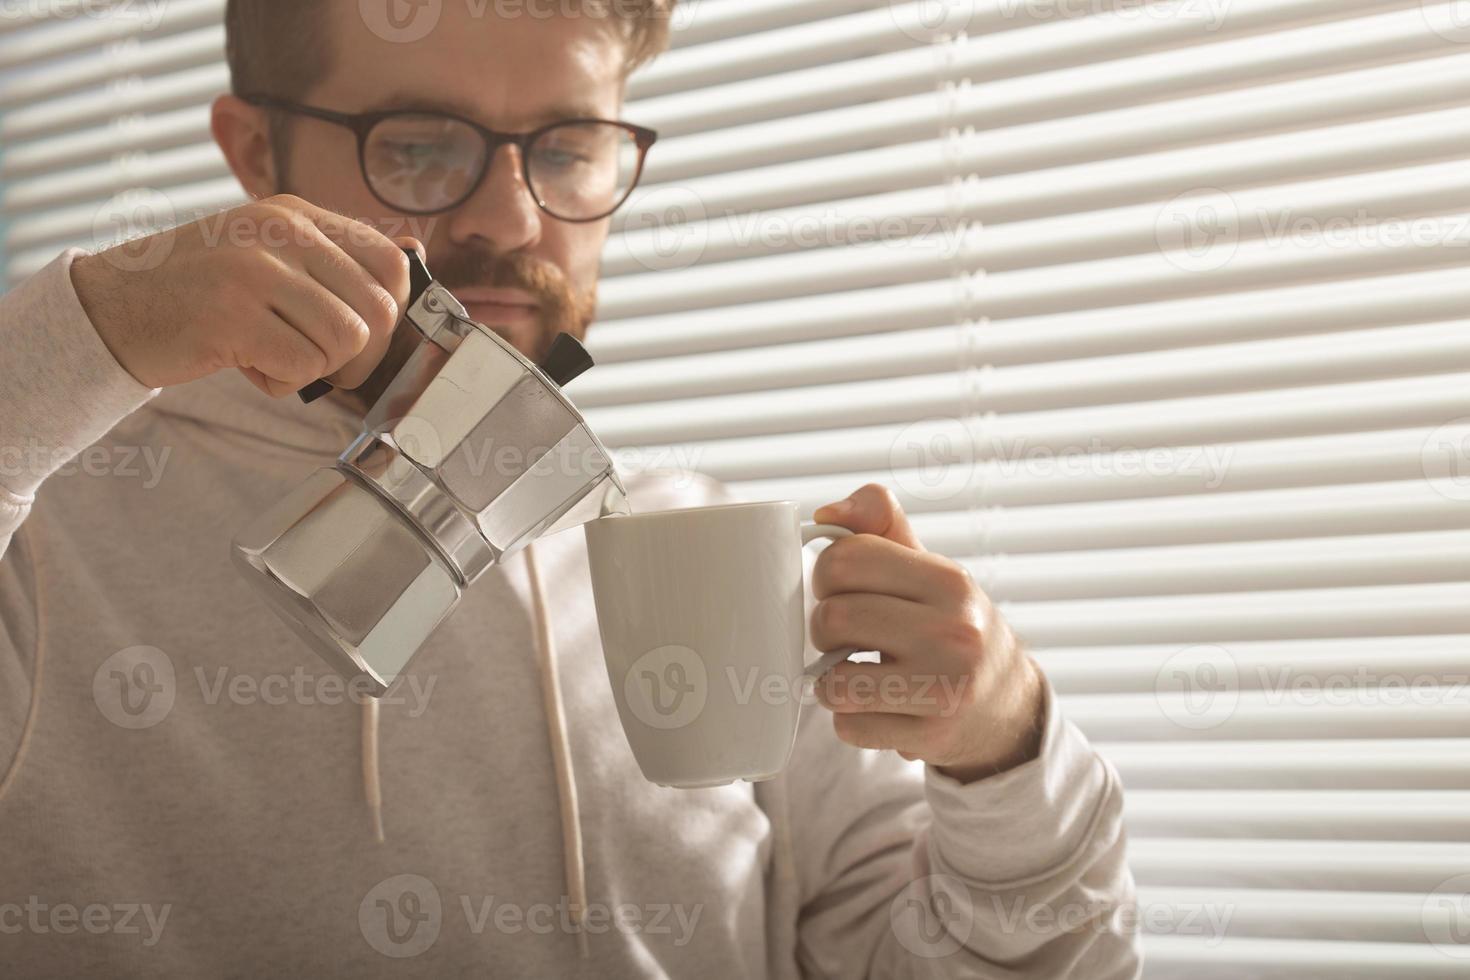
(1260, 515)
(1394, 610)
(1191, 958)
(1406, 866)
(1236, 566)
(1300, 763)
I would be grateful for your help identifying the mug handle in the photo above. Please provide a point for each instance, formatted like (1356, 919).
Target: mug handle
(824, 663)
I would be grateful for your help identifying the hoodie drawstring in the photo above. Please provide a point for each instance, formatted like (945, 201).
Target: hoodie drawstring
(573, 855)
(372, 782)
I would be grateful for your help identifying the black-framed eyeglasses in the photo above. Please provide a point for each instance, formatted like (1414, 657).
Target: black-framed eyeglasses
(422, 162)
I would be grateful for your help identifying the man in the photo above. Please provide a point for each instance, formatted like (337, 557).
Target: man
(185, 791)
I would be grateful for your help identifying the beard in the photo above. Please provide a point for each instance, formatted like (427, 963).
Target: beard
(561, 307)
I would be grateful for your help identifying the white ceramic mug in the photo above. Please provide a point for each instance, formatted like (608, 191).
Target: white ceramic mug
(703, 630)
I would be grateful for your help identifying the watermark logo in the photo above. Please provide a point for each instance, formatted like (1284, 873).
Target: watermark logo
(34, 459)
(1210, 13)
(401, 21)
(135, 688)
(138, 688)
(1199, 231)
(1198, 688)
(1450, 21)
(667, 687)
(933, 916)
(136, 229)
(933, 459)
(1445, 459)
(417, 438)
(676, 226)
(401, 916)
(149, 13)
(929, 21)
(684, 15)
(1445, 916)
(42, 918)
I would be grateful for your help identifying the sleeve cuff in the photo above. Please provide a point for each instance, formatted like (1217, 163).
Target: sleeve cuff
(60, 387)
(1027, 820)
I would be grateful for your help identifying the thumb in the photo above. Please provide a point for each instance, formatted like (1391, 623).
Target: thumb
(871, 509)
(407, 241)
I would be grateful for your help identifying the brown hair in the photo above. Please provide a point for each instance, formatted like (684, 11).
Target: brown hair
(280, 47)
(283, 47)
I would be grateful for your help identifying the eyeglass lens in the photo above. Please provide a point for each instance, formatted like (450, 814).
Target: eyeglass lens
(578, 170)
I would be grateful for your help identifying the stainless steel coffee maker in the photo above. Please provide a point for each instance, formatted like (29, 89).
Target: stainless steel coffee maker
(470, 453)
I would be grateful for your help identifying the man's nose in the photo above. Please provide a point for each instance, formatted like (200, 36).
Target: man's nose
(501, 212)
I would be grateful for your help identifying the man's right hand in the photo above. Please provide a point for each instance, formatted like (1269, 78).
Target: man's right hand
(302, 294)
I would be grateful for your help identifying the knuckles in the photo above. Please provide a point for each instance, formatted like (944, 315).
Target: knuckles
(955, 579)
(381, 315)
(830, 620)
(836, 568)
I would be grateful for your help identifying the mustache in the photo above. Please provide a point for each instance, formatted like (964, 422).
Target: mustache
(512, 270)
(561, 306)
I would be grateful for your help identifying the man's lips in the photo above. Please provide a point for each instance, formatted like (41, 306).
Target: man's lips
(508, 307)
(495, 297)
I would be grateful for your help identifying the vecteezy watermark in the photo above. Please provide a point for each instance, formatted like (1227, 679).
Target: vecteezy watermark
(935, 459)
(1202, 230)
(407, 21)
(667, 687)
(1200, 687)
(673, 224)
(300, 686)
(41, 918)
(939, 459)
(401, 21)
(1445, 916)
(669, 229)
(938, 20)
(670, 686)
(1199, 231)
(135, 687)
(933, 916)
(403, 916)
(138, 688)
(1207, 920)
(245, 227)
(148, 12)
(1019, 914)
(1450, 20)
(1445, 459)
(478, 454)
(1210, 13)
(36, 461)
(136, 229)
(929, 21)
(139, 229)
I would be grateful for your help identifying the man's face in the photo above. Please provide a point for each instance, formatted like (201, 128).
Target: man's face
(516, 268)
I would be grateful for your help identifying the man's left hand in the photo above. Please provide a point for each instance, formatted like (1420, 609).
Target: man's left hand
(954, 687)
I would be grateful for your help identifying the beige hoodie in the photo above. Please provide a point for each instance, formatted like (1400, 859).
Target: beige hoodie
(186, 791)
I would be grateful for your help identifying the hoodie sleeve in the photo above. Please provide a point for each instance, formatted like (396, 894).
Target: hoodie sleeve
(902, 872)
(60, 387)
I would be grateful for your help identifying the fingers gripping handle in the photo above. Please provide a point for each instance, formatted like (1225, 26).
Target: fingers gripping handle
(824, 663)
(419, 280)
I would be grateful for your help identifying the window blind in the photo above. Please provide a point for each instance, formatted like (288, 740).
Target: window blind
(1152, 313)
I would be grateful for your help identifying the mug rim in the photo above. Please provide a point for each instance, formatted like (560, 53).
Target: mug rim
(700, 508)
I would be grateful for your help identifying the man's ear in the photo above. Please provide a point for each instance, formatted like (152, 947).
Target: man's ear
(242, 132)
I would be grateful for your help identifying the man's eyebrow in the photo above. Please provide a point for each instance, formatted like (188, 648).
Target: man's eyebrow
(421, 103)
